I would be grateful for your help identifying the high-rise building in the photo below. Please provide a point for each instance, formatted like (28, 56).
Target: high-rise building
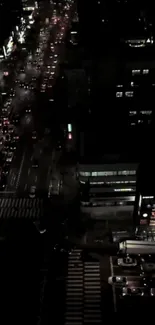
(120, 39)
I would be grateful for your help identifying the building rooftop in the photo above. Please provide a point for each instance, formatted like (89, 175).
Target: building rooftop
(96, 148)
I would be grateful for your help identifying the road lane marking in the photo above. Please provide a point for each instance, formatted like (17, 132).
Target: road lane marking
(13, 178)
(25, 188)
(20, 170)
(29, 170)
(36, 178)
(113, 287)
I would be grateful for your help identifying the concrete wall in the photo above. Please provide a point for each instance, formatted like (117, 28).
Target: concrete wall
(114, 212)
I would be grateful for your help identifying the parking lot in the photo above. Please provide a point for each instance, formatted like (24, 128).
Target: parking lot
(137, 298)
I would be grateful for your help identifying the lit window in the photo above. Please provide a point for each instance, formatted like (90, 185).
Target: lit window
(123, 189)
(145, 71)
(85, 174)
(132, 84)
(129, 93)
(146, 112)
(131, 113)
(105, 173)
(119, 86)
(127, 172)
(134, 72)
(110, 173)
(94, 173)
(119, 94)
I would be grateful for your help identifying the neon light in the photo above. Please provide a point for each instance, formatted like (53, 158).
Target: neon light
(69, 127)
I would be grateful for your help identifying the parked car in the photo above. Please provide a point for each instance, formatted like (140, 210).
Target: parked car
(117, 280)
(133, 291)
(127, 262)
(32, 193)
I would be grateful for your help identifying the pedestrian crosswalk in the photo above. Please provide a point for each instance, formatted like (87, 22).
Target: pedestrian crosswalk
(21, 208)
(83, 291)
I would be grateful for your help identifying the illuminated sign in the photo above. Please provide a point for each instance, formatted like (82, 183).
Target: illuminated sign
(69, 127)
(9, 46)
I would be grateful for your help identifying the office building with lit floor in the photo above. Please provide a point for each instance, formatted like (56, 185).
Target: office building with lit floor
(107, 182)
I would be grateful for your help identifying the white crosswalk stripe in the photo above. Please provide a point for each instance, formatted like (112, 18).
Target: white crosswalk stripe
(92, 293)
(83, 291)
(74, 290)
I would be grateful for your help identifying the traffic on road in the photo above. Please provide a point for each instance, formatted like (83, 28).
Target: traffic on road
(34, 73)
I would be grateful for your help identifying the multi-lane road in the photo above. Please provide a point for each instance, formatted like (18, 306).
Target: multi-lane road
(22, 174)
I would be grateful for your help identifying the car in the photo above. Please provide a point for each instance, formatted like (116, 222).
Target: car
(28, 110)
(32, 193)
(34, 135)
(127, 262)
(5, 120)
(35, 163)
(10, 128)
(31, 87)
(152, 292)
(21, 70)
(3, 182)
(7, 137)
(9, 157)
(4, 109)
(63, 248)
(15, 119)
(21, 85)
(6, 146)
(26, 86)
(4, 153)
(117, 280)
(15, 137)
(133, 291)
(1, 140)
(58, 145)
(12, 94)
(148, 267)
(12, 146)
(5, 129)
(5, 169)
